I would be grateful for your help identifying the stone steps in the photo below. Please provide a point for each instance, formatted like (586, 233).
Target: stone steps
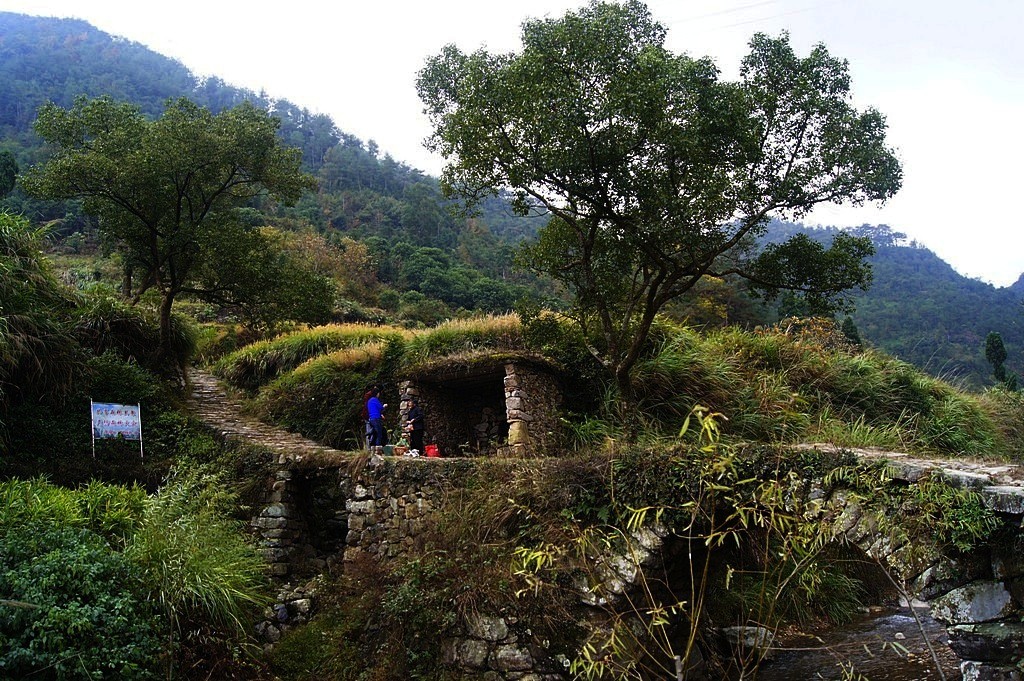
(224, 413)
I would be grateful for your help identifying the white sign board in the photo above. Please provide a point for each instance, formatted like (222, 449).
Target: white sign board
(110, 420)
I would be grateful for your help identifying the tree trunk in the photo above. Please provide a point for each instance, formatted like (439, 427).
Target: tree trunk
(126, 282)
(166, 357)
(625, 406)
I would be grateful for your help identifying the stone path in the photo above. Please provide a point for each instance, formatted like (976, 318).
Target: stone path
(1001, 485)
(212, 404)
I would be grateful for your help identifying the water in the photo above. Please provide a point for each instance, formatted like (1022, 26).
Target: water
(873, 645)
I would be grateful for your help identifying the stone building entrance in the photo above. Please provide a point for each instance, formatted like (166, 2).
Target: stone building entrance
(488, 407)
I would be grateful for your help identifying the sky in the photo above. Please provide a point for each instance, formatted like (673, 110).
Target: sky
(948, 76)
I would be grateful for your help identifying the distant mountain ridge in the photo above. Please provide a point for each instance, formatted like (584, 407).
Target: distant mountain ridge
(919, 308)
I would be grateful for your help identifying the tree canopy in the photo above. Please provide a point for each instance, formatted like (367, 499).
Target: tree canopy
(168, 190)
(655, 171)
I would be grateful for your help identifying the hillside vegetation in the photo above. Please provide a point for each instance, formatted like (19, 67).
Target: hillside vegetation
(797, 381)
(400, 254)
(119, 565)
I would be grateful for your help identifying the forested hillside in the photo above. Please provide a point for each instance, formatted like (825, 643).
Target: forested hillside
(405, 248)
(403, 251)
(921, 310)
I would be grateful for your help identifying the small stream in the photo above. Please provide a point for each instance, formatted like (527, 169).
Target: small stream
(867, 644)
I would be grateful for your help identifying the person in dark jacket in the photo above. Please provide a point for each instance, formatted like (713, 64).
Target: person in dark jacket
(416, 426)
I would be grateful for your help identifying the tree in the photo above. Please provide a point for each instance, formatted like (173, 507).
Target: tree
(849, 329)
(165, 189)
(655, 172)
(995, 353)
(8, 172)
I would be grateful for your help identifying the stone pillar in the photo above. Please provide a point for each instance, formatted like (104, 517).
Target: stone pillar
(516, 414)
(406, 391)
(275, 524)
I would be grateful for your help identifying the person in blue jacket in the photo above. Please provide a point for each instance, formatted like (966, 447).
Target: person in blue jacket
(375, 411)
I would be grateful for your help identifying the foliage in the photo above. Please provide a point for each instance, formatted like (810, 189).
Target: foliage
(952, 517)
(995, 353)
(800, 381)
(197, 566)
(122, 575)
(756, 553)
(103, 323)
(73, 607)
(38, 357)
(490, 332)
(8, 172)
(110, 511)
(924, 312)
(264, 277)
(322, 398)
(656, 172)
(135, 175)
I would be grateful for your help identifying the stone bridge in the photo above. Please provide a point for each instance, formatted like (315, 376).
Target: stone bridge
(323, 506)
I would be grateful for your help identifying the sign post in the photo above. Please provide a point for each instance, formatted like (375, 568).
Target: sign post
(117, 421)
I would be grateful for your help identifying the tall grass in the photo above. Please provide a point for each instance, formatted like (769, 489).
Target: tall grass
(260, 363)
(490, 332)
(322, 397)
(782, 385)
(104, 324)
(196, 561)
(109, 510)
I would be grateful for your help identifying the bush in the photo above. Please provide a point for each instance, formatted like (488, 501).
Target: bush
(322, 399)
(195, 560)
(105, 324)
(111, 511)
(77, 610)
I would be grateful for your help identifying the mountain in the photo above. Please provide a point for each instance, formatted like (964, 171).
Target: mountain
(1018, 286)
(918, 307)
(921, 310)
(364, 195)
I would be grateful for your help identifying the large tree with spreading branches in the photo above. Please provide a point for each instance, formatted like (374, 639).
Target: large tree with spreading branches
(657, 172)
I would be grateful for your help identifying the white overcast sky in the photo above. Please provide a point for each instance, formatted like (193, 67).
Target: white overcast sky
(948, 75)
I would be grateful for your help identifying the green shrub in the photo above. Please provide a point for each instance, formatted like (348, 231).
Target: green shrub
(947, 515)
(112, 511)
(133, 332)
(72, 608)
(196, 562)
(322, 399)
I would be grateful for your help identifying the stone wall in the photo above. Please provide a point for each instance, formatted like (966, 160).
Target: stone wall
(511, 409)
(317, 514)
(532, 401)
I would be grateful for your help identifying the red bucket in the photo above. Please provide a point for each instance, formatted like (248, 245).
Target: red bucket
(431, 450)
